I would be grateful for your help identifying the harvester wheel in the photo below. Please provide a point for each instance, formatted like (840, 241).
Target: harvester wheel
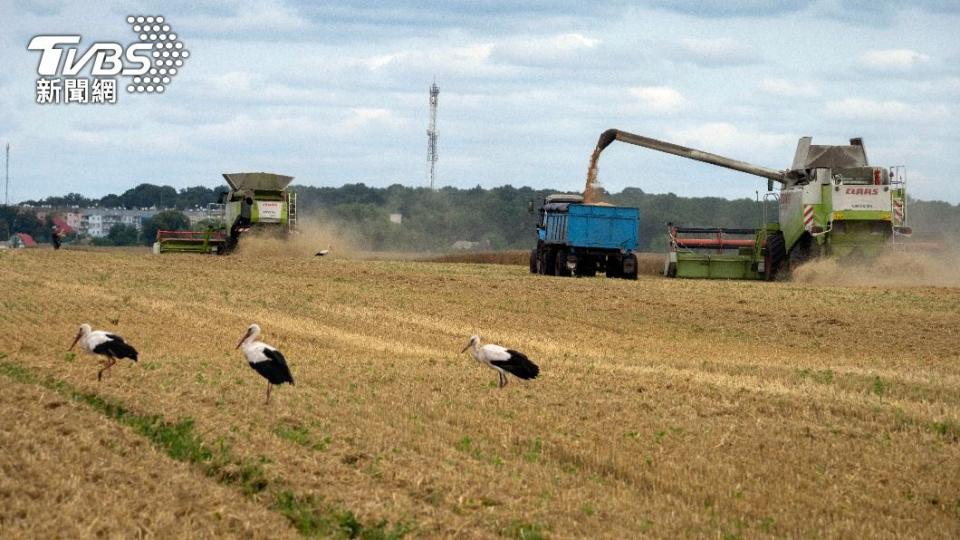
(533, 261)
(803, 251)
(561, 264)
(775, 256)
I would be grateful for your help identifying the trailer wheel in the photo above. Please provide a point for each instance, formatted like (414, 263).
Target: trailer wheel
(549, 262)
(560, 268)
(533, 261)
(613, 267)
(775, 256)
(629, 261)
(671, 270)
(586, 266)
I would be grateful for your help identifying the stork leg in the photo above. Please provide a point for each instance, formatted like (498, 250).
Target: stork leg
(106, 365)
(503, 379)
(269, 387)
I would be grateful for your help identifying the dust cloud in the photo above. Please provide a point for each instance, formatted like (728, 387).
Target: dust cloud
(894, 268)
(309, 238)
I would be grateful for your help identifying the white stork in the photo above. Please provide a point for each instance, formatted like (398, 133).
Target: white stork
(266, 360)
(104, 344)
(503, 360)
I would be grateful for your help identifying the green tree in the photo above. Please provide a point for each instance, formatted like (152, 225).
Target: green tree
(123, 235)
(167, 220)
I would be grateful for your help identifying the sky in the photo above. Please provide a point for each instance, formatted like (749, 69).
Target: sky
(337, 92)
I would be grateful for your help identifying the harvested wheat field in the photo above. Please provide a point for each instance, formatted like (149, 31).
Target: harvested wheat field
(664, 408)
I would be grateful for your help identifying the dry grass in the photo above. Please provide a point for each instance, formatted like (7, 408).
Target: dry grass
(671, 408)
(649, 264)
(68, 472)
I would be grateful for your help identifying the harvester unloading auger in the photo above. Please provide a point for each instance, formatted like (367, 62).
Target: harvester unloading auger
(831, 203)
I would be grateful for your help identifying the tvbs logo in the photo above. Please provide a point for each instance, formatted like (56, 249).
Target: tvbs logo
(108, 58)
(149, 63)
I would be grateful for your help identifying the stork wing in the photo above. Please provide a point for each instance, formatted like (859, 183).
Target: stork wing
(275, 369)
(518, 364)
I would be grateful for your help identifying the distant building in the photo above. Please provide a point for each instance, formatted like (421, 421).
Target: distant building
(74, 220)
(396, 218)
(22, 240)
(97, 222)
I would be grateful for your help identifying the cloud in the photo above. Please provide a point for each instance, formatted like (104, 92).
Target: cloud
(727, 139)
(659, 98)
(894, 59)
(715, 52)
(544, 51)
(732, 8)
(789, 88)
(885, 111)
(361, 117)
(247, 17)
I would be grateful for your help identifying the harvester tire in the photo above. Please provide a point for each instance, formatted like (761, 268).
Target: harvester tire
(805, 250)
(533, 261)
(775, 256)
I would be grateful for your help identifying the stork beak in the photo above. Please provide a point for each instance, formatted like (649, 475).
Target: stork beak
(244, 338)
(465, 347)
(75, 340)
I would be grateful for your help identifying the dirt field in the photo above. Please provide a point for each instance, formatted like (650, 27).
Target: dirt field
(664, 408)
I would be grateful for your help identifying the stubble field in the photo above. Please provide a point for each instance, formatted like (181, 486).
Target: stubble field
(664, 408)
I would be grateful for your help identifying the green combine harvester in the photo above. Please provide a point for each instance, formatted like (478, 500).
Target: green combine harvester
(258, 202)
(831, 203)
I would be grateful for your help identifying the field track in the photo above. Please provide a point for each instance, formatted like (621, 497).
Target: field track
(664, 408)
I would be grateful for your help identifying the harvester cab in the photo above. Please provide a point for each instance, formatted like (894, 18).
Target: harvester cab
(831, 201)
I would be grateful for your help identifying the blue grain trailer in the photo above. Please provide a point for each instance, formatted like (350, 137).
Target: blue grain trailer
(583, 239)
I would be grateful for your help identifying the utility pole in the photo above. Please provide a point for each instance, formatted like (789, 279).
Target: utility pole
(432, 134)
(6, 191)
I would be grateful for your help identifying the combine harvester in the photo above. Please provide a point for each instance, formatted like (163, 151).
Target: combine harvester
(256, 201)
(831, 203)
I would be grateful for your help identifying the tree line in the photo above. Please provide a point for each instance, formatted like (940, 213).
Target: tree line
(432, 220)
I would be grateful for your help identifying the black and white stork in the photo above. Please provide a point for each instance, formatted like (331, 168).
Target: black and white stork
(266, 360)
(502, 359)
(101, 343)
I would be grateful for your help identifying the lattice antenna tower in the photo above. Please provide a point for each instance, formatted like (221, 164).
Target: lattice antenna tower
(432, 135)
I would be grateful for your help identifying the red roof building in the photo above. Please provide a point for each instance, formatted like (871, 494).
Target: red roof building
(23, 240)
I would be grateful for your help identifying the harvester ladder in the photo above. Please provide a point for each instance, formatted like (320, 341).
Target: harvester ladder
(292, 210)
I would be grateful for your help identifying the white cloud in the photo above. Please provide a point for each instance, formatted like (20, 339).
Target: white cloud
(716, 52)
(272, 15)
(727, 139)
(361, 117)
(894, 59)
(789, 88)
(875, 110)
(549, 50)
(660, 98)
